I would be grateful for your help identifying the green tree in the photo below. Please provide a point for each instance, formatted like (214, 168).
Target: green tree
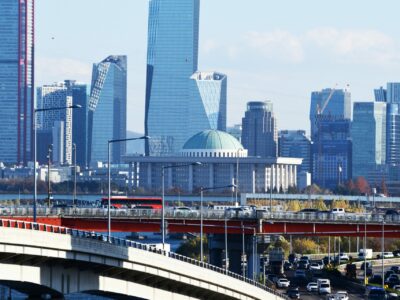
(305, 246)
(294, 205)
(191, 247)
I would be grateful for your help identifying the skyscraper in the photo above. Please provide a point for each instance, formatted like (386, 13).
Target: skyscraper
(331, 152)
(393, 92)
(207, 108)
(295, 143)
(393, 124)
(172, 58)
(259, 130)
(56, 95)
(79, 120)
(107, 109)
(368, 133)
(339, 106)
(16, 80)
(380, 95)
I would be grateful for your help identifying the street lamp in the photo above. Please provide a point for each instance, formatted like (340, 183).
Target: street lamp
(202, 189)
(383, 251)
(237, 175)
(110, 142)
(35, 111)
(197, 163)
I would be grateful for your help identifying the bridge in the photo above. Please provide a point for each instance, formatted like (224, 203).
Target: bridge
(215, 221)
(40, 259)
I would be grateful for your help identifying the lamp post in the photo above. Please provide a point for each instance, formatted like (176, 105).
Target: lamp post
(35, 111)
(202, 189)
(74, 196)
(365, 249)
(49, 151)
(110, 142)
(163, 195)
(237, 176)
(383, 251)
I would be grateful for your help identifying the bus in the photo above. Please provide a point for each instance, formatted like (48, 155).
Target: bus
(133, 202)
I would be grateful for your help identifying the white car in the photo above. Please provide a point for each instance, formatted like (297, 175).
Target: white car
(338, 211)
(315, 266)
(388, 255)
(342, 295)
(283, 283)
(312, 287)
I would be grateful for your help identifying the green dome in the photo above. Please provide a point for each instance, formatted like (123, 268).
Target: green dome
(212, 140)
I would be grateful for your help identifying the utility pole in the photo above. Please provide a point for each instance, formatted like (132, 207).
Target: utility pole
(49, 151)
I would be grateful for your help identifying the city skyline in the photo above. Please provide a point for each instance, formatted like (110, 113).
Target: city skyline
(283, 61)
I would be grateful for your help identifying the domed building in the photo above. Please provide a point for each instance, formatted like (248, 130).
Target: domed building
(213, 143)
(221, 157)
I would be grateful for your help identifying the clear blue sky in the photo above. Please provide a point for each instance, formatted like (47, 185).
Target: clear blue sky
(272, 50)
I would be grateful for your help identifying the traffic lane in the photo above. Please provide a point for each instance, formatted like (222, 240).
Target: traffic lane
(304, 294)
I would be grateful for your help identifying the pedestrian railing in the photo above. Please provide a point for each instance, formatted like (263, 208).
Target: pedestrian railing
(128, 243)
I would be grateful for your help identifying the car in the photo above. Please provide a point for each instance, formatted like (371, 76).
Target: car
(368, 263)
(388, 255)
(338, 211)
(292, 258)
(324, 288)
(293, 293)
(376, 293)
(303, 264)
(392, 296)
(375, 279)
(392, 281)
(315, 266)
(305, 257)
(342, 295)
(301, 274)
(326, 260)
(395, 269)
(396, 252)
(389, 273)
(392, 212)
(312, 287)
(287, 266)
(396, 287)
(282, 283)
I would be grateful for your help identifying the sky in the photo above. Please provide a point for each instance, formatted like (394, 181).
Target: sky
(270, 50)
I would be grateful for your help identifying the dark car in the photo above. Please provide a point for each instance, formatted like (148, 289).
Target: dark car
(392, 281)
(287, 266)
(293, 293)
(395, 269)
(375, 279)
(396, 252)
(369, 265)
(326, 260)
(391, 212)
(292, 258)
(309, 210)
(376, 293)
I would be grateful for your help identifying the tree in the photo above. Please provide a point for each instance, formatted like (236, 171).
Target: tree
(320, 204)
(293, 205)
(191, 247)
(362, 186)
(304, 246)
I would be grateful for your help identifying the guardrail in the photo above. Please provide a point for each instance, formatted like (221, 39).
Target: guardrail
(128, 243)
(210, 214)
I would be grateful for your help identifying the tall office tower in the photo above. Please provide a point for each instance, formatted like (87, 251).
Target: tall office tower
(295, 143)
(393, 134)
(107, 109)
(172, 57)
(16, 80)
(207, 107)
(259, 133)
(368, 133)
(393, 92)
(331, 152)
(380, 95)
(339, 106)
(80, 120)
(236, 131)
(55, 95)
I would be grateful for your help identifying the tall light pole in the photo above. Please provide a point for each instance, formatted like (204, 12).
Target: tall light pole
(365, 249)
(197, 163)
(74, 196)
(49, 151)
(237, 176)
(110, 142)
(383, 251)
(37, 110)
(202, 189)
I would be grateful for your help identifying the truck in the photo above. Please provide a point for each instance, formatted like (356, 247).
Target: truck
(324, 286)
(368, 254)
(276, 260)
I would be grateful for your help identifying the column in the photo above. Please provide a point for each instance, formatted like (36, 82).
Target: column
(149, 183)
(211, 175)
(190, 183)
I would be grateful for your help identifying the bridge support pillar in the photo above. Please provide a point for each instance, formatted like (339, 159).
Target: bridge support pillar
(216, 245)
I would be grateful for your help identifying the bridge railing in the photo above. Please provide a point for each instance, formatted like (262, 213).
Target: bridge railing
(210, 214)
(128, 243)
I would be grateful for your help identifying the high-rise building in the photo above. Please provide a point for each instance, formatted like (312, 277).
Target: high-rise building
(107, 109)
(79, 120)
(368, 133)
(207, 108)
(331, 152)
(56, 95)
(393, 134)
(380, 94)
(393, 92)
(16, 80)
(259, 130)
(172, 58)
(236, 131)
(339, 106)
(295, 143)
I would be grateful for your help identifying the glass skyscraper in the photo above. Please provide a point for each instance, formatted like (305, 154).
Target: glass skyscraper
(16, 80)
(368, 133)
(172, 58)
(207, 108)
(295, 143)
(339, 106)
(107, 109)
(259, 130)
(393, 92)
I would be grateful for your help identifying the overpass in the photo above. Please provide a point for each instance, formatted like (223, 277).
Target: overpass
(41, 259)
(215, 221)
